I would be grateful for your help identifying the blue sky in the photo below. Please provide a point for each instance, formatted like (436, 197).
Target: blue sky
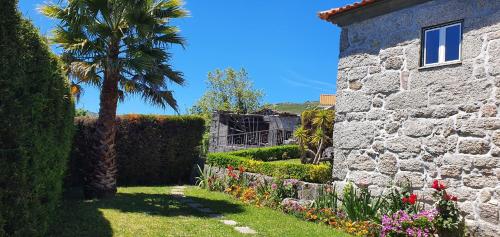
(287, 50)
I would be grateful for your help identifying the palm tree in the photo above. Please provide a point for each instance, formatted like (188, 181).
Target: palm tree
(119, 46)
(313, 134)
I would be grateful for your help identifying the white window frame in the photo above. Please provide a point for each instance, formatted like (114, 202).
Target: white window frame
(442, 45)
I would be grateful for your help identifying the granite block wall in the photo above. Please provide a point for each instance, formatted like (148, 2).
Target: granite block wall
(397, 121)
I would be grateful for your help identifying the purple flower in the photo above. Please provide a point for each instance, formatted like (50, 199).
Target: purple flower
(401, 223)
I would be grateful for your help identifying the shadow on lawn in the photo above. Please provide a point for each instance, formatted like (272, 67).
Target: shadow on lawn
(85, 218)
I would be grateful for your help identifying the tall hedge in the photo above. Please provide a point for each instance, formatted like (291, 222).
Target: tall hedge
(151, 150)
(36, 114)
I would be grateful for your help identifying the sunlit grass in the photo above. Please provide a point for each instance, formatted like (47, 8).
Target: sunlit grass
(152, 211)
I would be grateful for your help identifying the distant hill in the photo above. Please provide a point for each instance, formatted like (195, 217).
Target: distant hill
(295, 108)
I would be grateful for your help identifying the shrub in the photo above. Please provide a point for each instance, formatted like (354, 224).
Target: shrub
(305, 172)
(36, 111)
(151, 150)
(270, 153)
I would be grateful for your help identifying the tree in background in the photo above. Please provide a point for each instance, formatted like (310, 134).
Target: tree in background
(227, 90)
(315, 134)
(121, 47)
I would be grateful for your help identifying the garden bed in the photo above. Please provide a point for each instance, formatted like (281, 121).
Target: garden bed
(352, 210)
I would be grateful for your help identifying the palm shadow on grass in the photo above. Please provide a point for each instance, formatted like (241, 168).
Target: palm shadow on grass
(85, 218)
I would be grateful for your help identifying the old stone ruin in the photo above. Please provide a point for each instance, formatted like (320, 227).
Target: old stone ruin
(232, 131)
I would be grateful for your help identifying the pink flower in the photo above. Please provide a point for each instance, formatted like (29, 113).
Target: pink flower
(274, 186)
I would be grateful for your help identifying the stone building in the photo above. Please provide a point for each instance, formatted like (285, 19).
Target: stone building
(231, 131)
(418, 93)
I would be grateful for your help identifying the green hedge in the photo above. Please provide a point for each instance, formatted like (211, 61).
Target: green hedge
(270, 153)
(305, 172)
(151, 150)
(36, 111)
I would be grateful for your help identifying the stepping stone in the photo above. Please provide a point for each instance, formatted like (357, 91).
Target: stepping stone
(229, 222)
(245, 230)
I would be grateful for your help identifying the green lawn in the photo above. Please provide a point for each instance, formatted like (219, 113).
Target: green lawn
(152, 211)
(290, 161)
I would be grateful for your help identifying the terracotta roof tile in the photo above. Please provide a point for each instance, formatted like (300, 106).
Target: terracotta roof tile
(325, 15)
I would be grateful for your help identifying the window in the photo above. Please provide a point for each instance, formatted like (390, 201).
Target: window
(442, 44)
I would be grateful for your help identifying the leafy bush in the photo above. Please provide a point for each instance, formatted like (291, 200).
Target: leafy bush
(150, 149)
(36, 111)
(305, 172)
(270, 153)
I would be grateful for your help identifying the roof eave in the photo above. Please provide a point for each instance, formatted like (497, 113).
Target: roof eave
(369, 11)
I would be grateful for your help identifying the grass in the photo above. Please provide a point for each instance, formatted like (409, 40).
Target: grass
(289, 161)
(152, 211)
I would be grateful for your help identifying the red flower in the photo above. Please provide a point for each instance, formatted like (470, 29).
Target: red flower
(232, 175)
(448, 197)
(405, 199)
(412, 199)
(438, 185)
(230, 168)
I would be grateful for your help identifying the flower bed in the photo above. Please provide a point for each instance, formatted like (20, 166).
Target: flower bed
(352, 210)
(254, 161)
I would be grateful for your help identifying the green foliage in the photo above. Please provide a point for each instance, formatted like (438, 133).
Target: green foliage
(127, 39)
(150, 149)
(36, 111)
(393, 200)
(294, 108)
(315, 134)
(360, 205)
(327, 198)
(449, 221)
(305, 172)
(228, 90)
(269, 153)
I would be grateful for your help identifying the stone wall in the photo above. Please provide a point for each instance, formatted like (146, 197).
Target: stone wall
(306, 191)
(396, 121)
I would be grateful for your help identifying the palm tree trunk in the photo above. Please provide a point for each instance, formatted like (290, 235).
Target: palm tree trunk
(101, 182)
(317, 157)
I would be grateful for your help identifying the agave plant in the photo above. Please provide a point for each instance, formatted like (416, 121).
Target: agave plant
(121, 47)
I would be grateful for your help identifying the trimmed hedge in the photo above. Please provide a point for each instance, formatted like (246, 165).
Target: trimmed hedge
(304, 172)
(270, 153)
(151, 149)
(36, 111)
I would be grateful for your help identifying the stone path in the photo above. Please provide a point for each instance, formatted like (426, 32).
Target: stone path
(178, 191)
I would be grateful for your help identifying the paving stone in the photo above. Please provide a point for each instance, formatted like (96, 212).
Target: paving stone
(229, 222)
(245, 230)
